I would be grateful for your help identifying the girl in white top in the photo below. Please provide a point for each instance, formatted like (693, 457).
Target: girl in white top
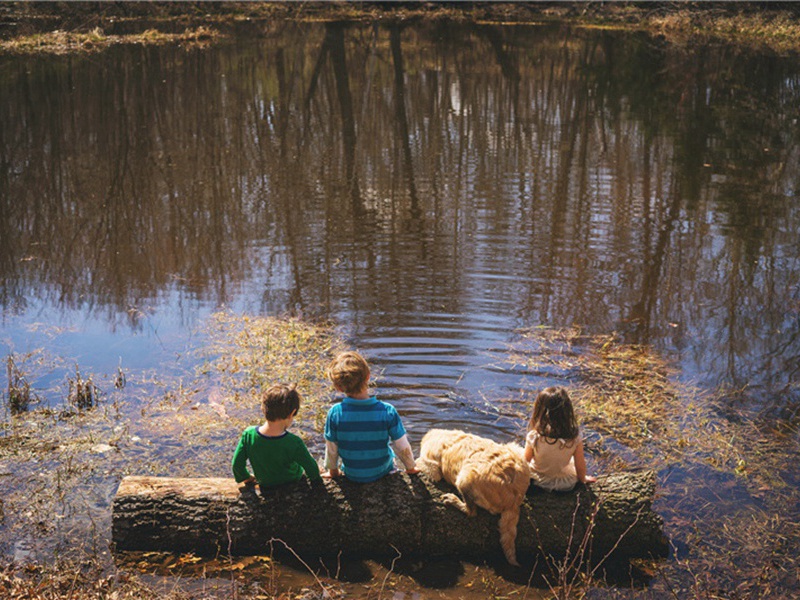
(553, 445)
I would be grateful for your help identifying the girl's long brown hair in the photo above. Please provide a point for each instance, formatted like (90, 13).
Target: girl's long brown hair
(553, 416)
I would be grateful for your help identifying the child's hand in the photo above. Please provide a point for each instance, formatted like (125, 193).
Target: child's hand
(589, 479)
(413, 471)
(332, 474)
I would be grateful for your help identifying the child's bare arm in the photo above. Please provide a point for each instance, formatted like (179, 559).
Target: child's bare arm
(528, 452)
(403, 450)
(580, 465)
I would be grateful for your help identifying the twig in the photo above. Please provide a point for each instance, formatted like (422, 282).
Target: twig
(667, 583)
(530, 578)
(391, 569)
(580, 555)
(325, 591)
(619, 539)
(228, 531)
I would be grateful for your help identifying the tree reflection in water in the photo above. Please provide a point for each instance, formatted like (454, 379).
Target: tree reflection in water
(496, 176)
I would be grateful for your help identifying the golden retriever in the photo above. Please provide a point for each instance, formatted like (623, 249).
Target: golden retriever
(487, 474)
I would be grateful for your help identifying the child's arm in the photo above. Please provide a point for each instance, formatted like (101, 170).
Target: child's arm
(580, 465)
(403, 450)
(528, 451)
(239, 464)
(332, 459)
(531, 438)
(399, 440)
(308, 463)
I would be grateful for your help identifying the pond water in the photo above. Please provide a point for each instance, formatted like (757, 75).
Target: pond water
(430, 189)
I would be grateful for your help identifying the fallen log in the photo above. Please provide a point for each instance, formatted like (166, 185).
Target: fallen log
(397, 513)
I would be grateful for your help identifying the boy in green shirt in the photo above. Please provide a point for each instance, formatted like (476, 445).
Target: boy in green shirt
(276, 456)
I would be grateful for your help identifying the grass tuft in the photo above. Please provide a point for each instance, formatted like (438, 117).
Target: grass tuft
(83, 393)
(65, 42)
(19, 390)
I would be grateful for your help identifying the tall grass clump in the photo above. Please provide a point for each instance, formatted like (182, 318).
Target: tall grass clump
(83, 393)
(19, 390)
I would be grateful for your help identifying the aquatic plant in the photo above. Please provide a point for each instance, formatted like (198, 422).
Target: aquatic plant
(120, 380)
(19, 390)
(82, 392)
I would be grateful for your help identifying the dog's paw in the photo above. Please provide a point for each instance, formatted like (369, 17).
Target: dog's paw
(455, 501)
(452, 500)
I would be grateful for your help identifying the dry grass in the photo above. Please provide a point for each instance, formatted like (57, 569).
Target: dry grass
(776, 31)
(723, 488)
(629, 396)
(67, 42)
(83, 393)
(246, 354)
(76, 581)
(18, 390)
(622, 389)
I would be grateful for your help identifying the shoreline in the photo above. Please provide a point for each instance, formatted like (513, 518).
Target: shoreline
(75, 28)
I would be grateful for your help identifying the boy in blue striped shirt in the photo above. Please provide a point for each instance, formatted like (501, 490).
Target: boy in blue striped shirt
(360, 429)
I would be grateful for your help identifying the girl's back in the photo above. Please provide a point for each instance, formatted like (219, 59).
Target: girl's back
(553, 463)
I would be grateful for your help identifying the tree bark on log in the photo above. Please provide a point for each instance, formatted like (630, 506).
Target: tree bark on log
(399, 513)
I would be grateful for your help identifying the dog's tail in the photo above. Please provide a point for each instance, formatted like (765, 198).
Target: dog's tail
(508, 534)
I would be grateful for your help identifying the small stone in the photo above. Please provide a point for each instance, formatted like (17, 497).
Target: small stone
(101, 448)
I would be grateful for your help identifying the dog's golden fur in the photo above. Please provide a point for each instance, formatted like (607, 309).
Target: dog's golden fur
(487, 474)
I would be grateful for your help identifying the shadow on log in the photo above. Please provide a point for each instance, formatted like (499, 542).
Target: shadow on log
(398, 513)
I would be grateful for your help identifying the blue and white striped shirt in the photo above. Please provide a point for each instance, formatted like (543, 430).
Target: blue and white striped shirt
(362, 431)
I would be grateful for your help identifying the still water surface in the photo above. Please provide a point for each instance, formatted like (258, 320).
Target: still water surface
(429, 189)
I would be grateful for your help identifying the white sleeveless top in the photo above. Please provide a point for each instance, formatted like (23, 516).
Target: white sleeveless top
(553, 462)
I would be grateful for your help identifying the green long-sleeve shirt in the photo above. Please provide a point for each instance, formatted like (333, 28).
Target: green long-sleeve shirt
(274, 460)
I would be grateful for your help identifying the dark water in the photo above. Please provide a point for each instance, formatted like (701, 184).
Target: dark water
(430, 189)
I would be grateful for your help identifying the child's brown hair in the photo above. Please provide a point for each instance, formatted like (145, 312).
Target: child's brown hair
(349, 372)
(280, 401)
(553, 416)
